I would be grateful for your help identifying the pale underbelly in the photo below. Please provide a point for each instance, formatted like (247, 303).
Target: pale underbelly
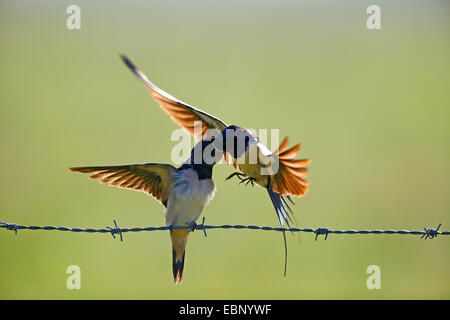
(254, 171)
(187, 202)
(252, 167)
(184, 212)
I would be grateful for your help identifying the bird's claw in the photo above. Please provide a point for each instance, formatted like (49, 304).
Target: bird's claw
(248, 180)
(236, 174)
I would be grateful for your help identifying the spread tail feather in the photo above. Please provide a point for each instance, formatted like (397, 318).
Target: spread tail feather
(179, 240)
(289, 180)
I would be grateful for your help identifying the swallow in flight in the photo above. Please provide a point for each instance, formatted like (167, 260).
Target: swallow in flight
(183, 191)
(288, 177)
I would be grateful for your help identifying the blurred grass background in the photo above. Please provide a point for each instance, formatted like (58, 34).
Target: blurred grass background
(370, 107)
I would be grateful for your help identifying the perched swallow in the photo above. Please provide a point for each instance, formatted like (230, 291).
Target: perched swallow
(287, 180)
(183, 191)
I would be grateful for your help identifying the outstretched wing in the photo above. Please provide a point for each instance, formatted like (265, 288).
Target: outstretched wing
(152, 178)
(183, 114)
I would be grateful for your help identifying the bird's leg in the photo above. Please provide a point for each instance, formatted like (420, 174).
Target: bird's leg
(237, 174)
(248, 180)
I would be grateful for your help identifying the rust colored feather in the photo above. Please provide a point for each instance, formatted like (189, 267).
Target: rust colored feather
(283, 146)
(291, 153)
(298, 163)
(154, 179)
(180, 112)
(289, 178)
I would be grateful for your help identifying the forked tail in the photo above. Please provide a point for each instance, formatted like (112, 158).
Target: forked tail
(179, 240)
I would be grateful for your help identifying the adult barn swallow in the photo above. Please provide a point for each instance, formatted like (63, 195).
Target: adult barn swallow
(183, 191)
(288, 178)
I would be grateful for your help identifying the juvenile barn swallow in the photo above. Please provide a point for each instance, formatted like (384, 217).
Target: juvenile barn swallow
(288, 178)
(183, 191)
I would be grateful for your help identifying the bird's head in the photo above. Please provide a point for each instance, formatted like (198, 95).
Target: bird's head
(234, 140)
(205, 153)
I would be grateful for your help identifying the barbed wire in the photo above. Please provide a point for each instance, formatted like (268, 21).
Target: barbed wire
(428, 233)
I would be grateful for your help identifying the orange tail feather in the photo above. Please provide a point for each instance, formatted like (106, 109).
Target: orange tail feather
(289, 180)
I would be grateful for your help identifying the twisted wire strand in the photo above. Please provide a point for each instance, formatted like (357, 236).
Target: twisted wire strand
(428, 233)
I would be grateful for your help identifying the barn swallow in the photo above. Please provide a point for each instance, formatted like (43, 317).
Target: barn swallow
(183, 191)
(287, 180)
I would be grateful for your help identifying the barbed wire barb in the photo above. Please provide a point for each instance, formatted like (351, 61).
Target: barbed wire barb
(431, 233)
(116, 230)
(9, 226)
(320, 231)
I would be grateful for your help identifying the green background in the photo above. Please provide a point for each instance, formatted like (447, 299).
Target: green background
(370, 107)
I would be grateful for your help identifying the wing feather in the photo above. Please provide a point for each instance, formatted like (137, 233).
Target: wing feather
(181, 113)
(152, 178)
